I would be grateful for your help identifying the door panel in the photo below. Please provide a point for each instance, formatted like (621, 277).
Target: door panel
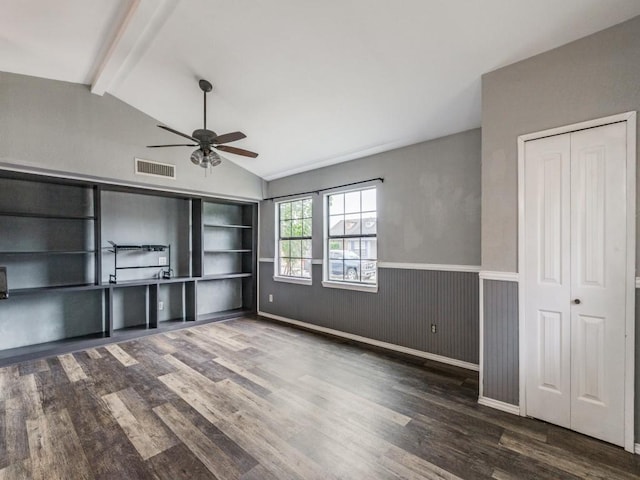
(598, 280)
(575, 280)
(547, 286)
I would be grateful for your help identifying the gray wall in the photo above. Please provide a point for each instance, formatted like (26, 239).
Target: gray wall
(61, 127)
(501, 362)
(428, 205)
(590, 78)
(131, 218)
(428, 212)
(593, 77)
(401, 313)
(31, 319)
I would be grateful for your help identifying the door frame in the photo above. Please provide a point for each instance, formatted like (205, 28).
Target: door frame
(629, 118)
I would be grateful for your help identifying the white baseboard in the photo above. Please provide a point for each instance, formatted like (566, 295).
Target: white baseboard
(637, 448)
(498, 405)
(377, 343)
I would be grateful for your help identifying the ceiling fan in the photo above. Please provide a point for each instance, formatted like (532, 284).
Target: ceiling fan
(208, 141)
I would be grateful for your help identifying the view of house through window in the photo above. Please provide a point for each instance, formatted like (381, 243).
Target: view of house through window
(294, 238)
(352, 237)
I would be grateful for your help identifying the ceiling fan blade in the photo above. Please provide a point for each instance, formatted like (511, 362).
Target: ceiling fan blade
(175, 145)
(229, 137)
(237, 151)
(178, 133)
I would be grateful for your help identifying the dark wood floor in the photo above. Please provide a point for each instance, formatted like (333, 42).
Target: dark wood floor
(255, 400)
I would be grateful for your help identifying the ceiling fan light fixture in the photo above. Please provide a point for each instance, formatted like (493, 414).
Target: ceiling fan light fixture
(214, 159)
(197, 157)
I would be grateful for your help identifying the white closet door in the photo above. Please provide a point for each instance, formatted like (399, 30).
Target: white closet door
(547, 279)
(598, 274)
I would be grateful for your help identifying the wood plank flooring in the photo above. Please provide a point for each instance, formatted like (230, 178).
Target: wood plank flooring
(254, 400)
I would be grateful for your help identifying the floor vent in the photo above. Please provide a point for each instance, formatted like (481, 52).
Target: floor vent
(155, 169)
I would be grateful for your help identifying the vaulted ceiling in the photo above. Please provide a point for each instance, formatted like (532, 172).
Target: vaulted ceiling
(311, 83)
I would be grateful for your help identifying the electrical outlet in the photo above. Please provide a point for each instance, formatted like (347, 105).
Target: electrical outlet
(162, 260)
(434, 328)
(160, 305)
(270, 298)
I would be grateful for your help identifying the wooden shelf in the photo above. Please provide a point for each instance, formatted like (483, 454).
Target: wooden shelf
(149, 281)
(50, 252)
(243, 250)
(222, 232)
(218, 225)
(47, 216)
(56, 288)
(221, 276)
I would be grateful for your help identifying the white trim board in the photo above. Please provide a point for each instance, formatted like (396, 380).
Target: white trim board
(498, 405)
(430, 266)
(377, 343)
(414, 266)
(637, 282)
(637, 448)
(630, 119)
(501, 276)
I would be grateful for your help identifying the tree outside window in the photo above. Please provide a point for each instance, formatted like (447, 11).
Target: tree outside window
(294, 238)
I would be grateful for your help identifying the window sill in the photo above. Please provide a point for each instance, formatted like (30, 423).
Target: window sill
(360, 287)
(296, 280)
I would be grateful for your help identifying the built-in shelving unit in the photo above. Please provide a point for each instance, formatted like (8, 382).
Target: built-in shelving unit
(226, 240)
(69, 289)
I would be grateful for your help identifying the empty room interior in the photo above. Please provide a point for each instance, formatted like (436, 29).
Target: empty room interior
(319, 240)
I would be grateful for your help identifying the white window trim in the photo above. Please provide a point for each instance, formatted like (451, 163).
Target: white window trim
(296, 280)
(276, 254)
(359, 287)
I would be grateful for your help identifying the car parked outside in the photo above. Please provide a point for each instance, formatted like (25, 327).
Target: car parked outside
(348, 266)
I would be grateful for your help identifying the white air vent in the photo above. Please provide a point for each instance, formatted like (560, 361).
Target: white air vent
(155, 169)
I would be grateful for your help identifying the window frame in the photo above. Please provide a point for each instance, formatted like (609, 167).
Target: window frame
(276, 260)
(326, 280)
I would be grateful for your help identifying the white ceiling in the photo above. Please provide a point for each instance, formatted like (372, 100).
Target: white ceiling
(310, 82)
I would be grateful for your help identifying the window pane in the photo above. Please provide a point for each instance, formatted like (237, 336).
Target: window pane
(352, 224)
(285, 229)
(352, 202)
(369, 248)
(336, 204)
(296, 248)
(285, 211)
(296, 267)
(296, 228)
(369, 200)
(336, 269)
(351, 248)
(352, 216)
(369, 272)
(285, 267)
(306, 208)
(306, 227)
(306, 267)
(296, 209)
(306, 248)
(351, 270)
(369, 223)
(336, 225)
(285, 248)
(336, 253)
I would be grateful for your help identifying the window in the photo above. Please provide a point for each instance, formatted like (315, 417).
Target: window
(351, 239)
(294, 239)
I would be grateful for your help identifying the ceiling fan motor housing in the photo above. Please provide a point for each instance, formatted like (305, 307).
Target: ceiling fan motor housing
(204, 136)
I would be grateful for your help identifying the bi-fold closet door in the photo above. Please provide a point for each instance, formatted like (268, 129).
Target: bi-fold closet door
(575, 280)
